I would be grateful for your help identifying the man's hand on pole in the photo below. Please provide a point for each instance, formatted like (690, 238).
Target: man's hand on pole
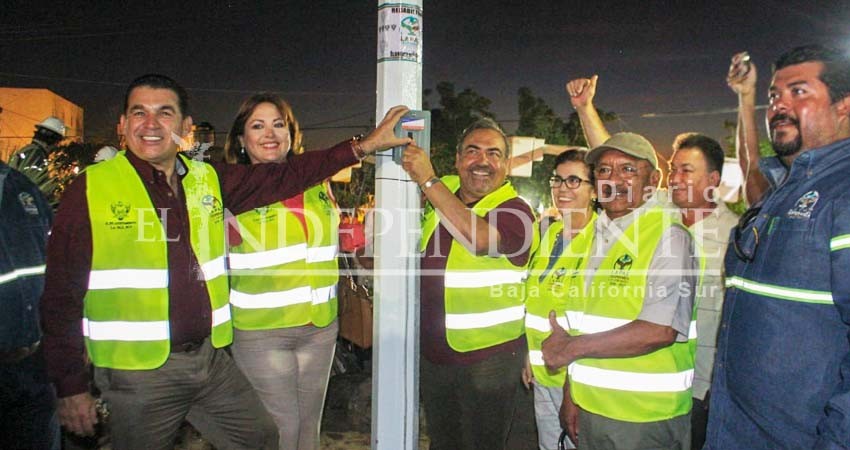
(416, 163)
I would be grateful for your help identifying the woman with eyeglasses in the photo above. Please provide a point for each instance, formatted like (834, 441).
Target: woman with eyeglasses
(574, 195)
(283, 276)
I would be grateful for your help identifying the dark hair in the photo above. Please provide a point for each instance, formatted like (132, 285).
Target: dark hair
(157, 81)
(232, 146)
(710, 149)
(836, 67)
(574, 155)
(485, 123)
(578, 155)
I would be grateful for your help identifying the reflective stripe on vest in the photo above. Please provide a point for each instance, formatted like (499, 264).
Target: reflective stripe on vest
(126, 305)
(631, 381)
(20, 273)
(470, 279)
(646, 388)
(128, 278)
(118, 330)
(281, 277)
(549, 294)
(483, 295)
(268, 258)
(473, 321)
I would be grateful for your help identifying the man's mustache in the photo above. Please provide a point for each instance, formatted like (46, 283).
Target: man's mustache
(783, 117)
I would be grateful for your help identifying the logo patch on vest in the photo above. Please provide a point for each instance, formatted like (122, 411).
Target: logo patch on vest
(804, 206)
(263, 214)
(557, 280)
(28, 203)
(120, 211)
(213, 207)
(620, 274)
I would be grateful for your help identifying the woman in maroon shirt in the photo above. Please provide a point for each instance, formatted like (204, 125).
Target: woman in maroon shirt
(287, 359)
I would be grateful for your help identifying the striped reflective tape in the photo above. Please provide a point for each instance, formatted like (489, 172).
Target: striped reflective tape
(268, 258)
(20, 273)
(535, 357)
(128, 279)
(692, 331)
(780, 292)
(321, 254)
(120, 330)
(221, 315)
(323, 294)
(631, 381)
(541, 324)
(485, 319)
(839, 242)
(469, 279)
(276, 299)
(214, 268)
(597, 324)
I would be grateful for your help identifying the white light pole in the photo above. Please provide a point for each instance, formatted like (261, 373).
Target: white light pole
(395, 368)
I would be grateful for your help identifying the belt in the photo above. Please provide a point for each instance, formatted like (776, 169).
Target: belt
(187, 347)
(19, 354)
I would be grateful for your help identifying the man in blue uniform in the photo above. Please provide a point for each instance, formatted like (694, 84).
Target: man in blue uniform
(782, 371)
(28, 415)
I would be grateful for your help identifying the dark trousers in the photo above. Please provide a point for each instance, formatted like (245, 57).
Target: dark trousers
(28, 419)
(470, 407)
(699, 422)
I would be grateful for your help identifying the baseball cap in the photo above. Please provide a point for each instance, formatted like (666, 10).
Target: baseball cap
(628, 143)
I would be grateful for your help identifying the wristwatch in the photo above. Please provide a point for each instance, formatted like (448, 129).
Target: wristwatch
(432, 181)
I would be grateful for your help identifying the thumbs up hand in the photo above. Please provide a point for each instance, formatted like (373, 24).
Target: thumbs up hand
(558, 348)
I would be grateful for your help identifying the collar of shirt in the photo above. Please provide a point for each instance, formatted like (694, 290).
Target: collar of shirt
(807, 164)
(150, 174)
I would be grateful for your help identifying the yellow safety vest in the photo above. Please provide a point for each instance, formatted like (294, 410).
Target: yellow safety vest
(125, 317)
(483, 294)
(551, 293)
(279, 277)
(646, 388)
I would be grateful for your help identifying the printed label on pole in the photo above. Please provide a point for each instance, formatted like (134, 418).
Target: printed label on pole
(413, 124)
(400, 32)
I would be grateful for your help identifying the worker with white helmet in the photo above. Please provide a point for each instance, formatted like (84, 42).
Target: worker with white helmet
(48, 133)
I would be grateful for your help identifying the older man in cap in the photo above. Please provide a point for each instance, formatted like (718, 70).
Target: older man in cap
(629, 342)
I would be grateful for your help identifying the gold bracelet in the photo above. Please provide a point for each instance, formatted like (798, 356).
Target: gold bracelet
(357, 149)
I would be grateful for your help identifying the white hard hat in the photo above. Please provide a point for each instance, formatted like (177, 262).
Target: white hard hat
(53, 124)
(105, 153)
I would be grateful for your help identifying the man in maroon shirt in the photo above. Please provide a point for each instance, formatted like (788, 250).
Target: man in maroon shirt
(471, 366)
(147, 406)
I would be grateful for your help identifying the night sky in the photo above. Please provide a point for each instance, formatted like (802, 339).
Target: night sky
(320, 55)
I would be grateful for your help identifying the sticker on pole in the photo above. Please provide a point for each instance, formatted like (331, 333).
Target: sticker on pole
(399, 32)
(413, 124)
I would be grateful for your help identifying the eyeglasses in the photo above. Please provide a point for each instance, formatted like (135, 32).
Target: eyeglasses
(625, 171)
(572, 182)
(738, 244)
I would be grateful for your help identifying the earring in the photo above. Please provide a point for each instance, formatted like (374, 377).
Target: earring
(242, 151)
